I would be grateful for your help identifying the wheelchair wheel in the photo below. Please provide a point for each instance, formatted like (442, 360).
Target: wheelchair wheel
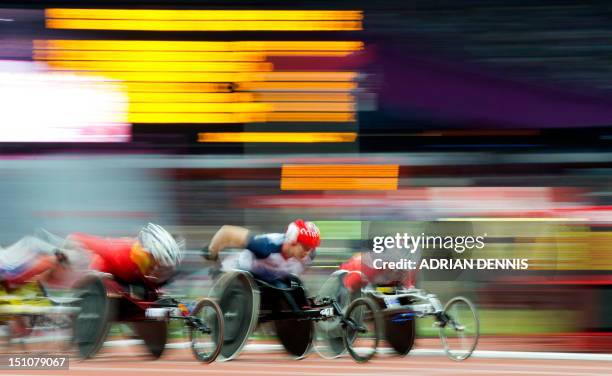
(5, 337)
(362, 331)
(207, 339)
(44, 326)
(400, 331)
(97, 313)
(44, 334)
(154, 334)
(328, 334)
(459, 328)
(238, 297)
(295, 335)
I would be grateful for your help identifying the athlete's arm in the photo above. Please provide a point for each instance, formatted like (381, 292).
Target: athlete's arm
(228, 237)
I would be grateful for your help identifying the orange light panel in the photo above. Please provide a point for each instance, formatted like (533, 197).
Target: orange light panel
(161, 66)
(211, 82)
(246, 107)
(339, 184)
(341, 117)
(203, 118)
(177, 87)
(338, 86)
(189, 97)
(277, 137)
(204, 15)
(173, 46)
(303, 97)
(339, 177)
(153, 25)
(87, 55)
(312, 106)
(343, 170)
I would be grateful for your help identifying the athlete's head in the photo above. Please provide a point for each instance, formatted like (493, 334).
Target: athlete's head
(163, 252)
(301, 239)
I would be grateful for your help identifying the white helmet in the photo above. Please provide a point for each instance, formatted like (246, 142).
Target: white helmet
(162, 245)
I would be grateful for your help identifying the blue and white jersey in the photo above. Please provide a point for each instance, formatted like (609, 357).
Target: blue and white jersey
(263, 258)
(21, 256)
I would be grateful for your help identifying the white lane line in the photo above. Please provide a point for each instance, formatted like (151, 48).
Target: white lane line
(485, 354)
(526, 355)
(204, 369)
(378, 364)
(128, 342)
(219, 370)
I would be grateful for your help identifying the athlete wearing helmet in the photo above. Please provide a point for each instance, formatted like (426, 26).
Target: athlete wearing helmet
(151, 257)
(31, 259)
(269, 256)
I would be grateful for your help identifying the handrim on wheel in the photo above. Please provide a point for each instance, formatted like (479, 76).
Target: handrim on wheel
(94, 319)
(362, 330)
(210, 319)
(328, 335)
(459, 328)
(238, 297)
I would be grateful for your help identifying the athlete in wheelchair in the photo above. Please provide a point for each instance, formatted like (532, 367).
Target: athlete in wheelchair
(34, 321)
(125, 286)
(261, 283)
(399, 303)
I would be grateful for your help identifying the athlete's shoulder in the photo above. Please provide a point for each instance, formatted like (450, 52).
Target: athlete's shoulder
(272, 238)
(262, 245)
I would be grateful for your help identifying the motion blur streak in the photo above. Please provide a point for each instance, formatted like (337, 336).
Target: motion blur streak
(185, 117)
(204, 15)
(174, 46)
(341, 117)
(177, 56)
(278, 137)
(317, 106)
(165, 76)
(171, 88)
(308, 76)
(199, 107)
(42, 107)
(339, 177)
(143, 76)
(339, 184)
(297, 86)
(351, 170)
(148, 56)
(306, 97)
(147, 25)
(171, 68)
(513, 219)
(147, 97)
(203, 20)
(239, 115)
(167, 66)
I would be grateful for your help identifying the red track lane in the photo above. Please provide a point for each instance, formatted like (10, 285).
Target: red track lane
(180, 362)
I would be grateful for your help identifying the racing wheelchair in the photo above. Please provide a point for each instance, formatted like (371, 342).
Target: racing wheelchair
(34, 321)
(246, 300)
(457, 321)
(105, 299)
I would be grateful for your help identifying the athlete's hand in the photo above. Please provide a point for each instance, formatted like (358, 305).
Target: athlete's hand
(208, 254)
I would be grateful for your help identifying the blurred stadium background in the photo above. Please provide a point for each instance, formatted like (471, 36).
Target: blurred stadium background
(488, 116)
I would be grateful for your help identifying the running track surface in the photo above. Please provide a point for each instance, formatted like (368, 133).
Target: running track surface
(179, 362)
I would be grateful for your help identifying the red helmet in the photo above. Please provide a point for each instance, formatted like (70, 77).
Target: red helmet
(305, 233)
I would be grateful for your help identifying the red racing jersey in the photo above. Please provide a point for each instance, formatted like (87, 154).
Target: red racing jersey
(112, 255)
(354, 281)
